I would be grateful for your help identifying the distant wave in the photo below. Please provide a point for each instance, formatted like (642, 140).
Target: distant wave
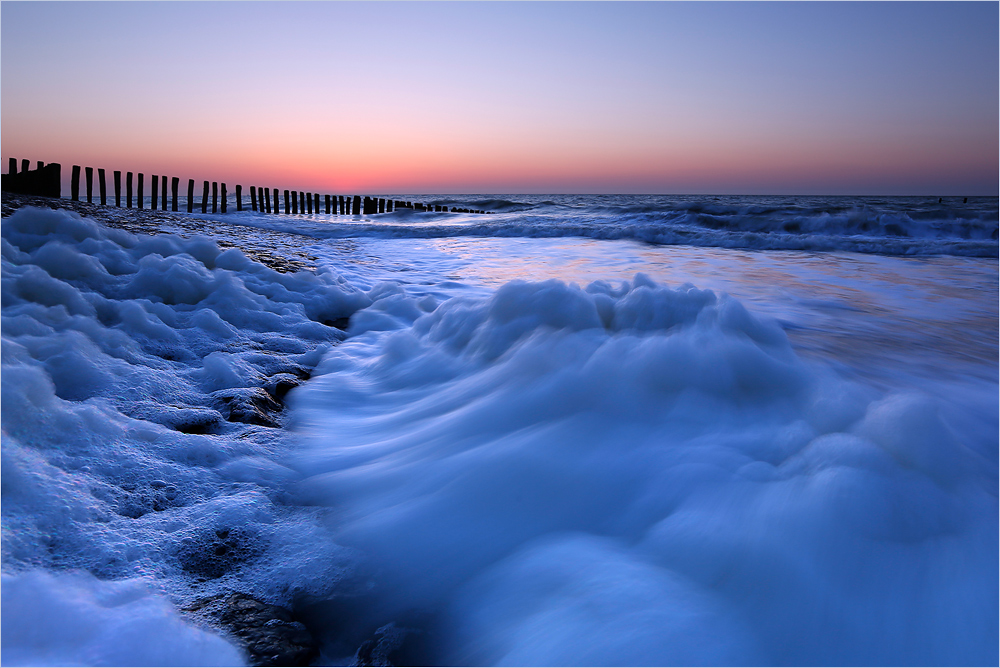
(850, 231)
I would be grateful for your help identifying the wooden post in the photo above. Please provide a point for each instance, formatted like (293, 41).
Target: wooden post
(39, 164)
(89, 171)
(326, 200)
(175, 183)
(309, 202)
(204, 198)
(343, 207)
(190, 206)
(74, 184)
(267, 200)
(102, 186)
(24, 165)
(156, 189)
(288, 203)
(295, 202)
(381, 205)
(316, 202)
(139, 198)
(277, 201)
(215, 196)
(12, 166)
(163, 193)
(223, 201)
(239, 197)
(118, 188)
(253, 197)
(128, 190)
(357, 205)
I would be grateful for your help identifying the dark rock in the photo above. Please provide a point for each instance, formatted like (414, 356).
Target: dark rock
(249, 405)
(278, 385)
(269, 633)
(214, 553)
(377, 650)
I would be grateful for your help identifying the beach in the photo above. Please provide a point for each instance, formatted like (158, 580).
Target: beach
(581, 430)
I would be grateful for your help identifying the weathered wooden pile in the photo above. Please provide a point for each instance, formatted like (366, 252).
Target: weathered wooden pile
(45, 182)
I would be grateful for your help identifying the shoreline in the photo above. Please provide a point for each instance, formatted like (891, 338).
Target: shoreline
(148, 221)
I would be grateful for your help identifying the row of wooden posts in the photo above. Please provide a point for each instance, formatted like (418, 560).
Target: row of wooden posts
(261, 199)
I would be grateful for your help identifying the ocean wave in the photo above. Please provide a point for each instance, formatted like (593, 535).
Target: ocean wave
(642, 475)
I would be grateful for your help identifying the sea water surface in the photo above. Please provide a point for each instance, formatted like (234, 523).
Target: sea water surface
(581, 430)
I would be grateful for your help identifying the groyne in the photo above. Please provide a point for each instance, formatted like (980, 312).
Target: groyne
(45, 181)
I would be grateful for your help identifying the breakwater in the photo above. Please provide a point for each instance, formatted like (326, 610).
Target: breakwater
(45, 181)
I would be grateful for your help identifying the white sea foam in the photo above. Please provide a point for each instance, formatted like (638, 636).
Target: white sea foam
(133, 368)
(73, 619)
(646, 475)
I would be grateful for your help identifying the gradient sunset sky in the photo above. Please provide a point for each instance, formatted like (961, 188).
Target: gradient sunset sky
(512, 97)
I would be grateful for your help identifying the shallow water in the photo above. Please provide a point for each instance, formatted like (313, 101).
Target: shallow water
(525, 449)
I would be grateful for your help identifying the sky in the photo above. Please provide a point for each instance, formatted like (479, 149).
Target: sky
(858, 98)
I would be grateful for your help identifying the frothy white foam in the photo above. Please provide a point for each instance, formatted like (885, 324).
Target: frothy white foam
(73, 619)
(645, 475)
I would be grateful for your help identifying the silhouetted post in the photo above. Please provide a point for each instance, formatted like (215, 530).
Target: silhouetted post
(326, 201)
(24, 165)
(204, 198)
(118, 188)
(89, 171)
(239, 197)
(343, 207)
(128, 190)
(175, 184)
(356, 207)
(295, 201)
(309, 202)
(190, 206)
(223, 200)
(12, 165)
(156, 189)
(139, 188)
(215, 196)
(74, 184)
(277, 201)
(267, 199)
(102, 186)
(163, 192)
(39, 164)
(388, 206)
(253, 197)
(316, 202)
(381, 205)
(288, 203)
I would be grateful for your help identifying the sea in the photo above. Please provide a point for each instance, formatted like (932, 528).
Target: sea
(575, 430)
